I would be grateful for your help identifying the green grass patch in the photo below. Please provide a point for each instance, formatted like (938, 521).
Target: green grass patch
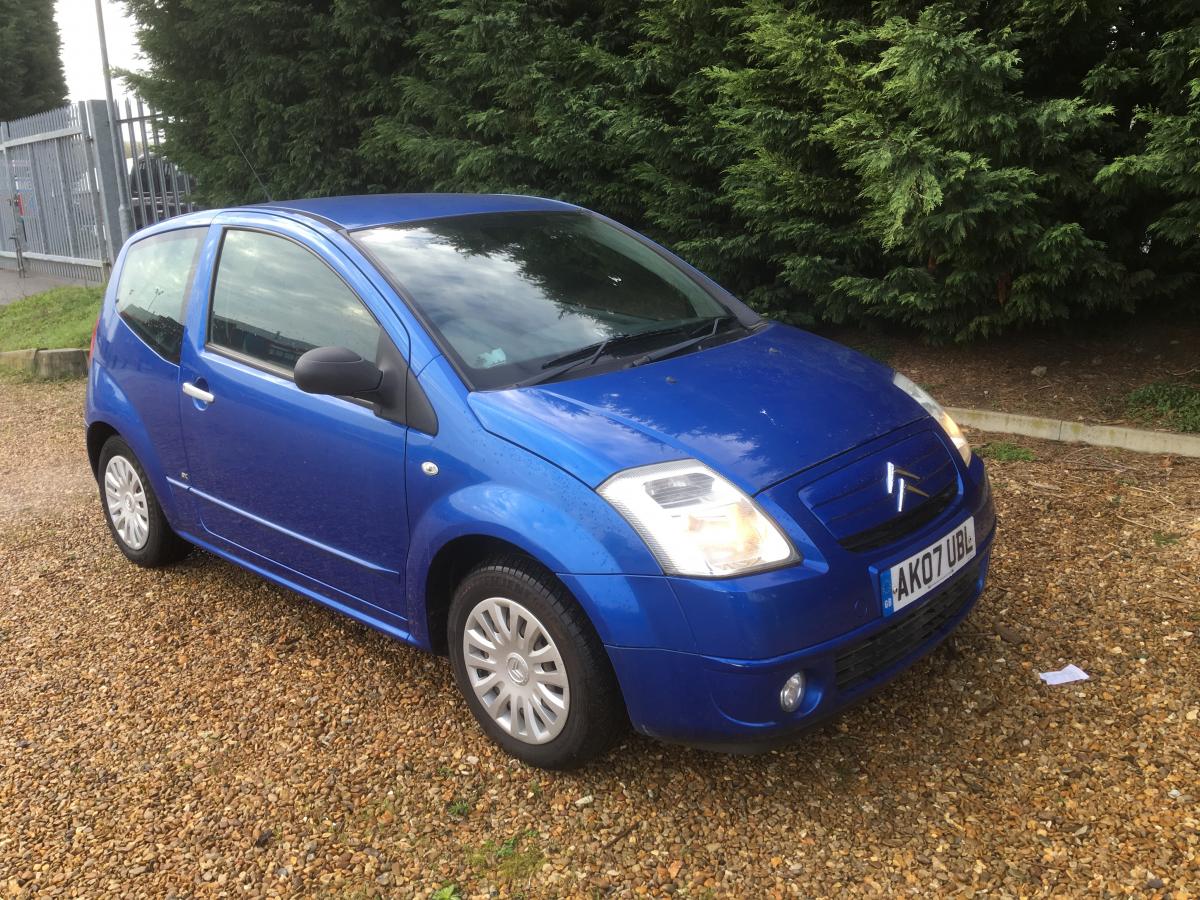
(1003, 451)
(1166, 538)
(1175, 404)
(508, 862)
(17, 376)
(61, 317)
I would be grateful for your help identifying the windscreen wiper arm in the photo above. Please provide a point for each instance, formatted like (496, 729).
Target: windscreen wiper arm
(586, 356)
(664, 352)
(564, 368)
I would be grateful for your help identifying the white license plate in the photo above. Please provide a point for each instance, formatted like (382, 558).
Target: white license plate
(910, 580)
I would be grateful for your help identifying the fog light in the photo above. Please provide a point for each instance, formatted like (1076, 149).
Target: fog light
(792, 693)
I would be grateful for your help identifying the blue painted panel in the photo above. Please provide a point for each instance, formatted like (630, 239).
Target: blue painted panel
(314, 483)
(757, 410)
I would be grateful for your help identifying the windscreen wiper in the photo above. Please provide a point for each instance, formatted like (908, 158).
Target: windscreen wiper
(586, 356)
(664, 352)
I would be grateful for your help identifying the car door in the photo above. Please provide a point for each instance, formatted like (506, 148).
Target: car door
(310, 487)
(143, 344)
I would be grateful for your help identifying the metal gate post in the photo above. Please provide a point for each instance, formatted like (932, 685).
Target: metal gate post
(113, 200)
(11, 181)
(91, 167)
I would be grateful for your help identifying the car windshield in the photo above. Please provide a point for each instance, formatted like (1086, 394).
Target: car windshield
(521, 297)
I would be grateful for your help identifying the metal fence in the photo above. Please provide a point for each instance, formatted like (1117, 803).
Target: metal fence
(50, 205)
(157, 188)
(69, 197)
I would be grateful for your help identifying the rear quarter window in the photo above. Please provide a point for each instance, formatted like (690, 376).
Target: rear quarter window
(152, 291)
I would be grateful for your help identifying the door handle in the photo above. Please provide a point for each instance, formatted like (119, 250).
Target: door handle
(198, 393)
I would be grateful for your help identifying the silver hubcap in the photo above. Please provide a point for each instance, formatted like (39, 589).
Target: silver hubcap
(126, 499)
(516, 670)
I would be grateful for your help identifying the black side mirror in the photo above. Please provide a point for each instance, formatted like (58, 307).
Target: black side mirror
(336, 371)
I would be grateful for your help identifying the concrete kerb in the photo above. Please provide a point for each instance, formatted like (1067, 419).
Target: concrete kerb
(1136, 439)
(67, 362)
(19, 359)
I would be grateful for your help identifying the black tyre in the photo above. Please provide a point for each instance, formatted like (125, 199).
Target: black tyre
(134, 517)
(531, 667)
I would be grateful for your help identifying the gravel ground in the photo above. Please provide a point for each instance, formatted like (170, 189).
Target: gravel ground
(40, 446)
(197, 732)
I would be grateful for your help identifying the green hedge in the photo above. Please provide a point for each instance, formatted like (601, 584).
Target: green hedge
(960, 167)
(31, 70)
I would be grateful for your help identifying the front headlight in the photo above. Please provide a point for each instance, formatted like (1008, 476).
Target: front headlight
(695, 522)
(934, 408)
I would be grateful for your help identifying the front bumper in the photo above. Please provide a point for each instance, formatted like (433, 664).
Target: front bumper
(732, 704)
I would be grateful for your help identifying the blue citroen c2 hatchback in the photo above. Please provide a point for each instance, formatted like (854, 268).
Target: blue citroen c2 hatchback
(511, 430)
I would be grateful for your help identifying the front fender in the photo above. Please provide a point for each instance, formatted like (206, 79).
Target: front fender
(565, 542)
(554, 518)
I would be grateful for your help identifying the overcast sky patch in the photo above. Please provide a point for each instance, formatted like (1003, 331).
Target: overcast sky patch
(81, 46)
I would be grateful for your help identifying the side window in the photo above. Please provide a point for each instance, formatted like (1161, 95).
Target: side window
(155, 280)
(274, 300)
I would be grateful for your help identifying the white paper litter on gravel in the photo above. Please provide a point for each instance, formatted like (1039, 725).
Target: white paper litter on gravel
(1065, 675)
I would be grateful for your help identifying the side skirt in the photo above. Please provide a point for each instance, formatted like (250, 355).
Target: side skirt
(378, 623)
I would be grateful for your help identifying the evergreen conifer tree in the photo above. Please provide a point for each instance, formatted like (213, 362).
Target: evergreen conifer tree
(957, 166)
(31, 72)
(1164, 172)
(285, 88)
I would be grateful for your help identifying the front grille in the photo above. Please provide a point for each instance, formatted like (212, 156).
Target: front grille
(853, 502)
(862, 662)
(887, 532)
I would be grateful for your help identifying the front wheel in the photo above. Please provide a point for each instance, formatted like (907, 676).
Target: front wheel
(531, 667)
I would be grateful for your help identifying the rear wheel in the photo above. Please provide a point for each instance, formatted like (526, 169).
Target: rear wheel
(530, 666)
(135, 518)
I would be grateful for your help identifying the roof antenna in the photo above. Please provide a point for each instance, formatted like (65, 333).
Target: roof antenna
(248, 166)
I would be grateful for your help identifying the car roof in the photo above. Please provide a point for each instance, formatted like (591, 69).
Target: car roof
(368, 210)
